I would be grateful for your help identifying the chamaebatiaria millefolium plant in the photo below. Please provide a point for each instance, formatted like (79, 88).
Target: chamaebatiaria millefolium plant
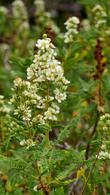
(55, 120)
(39, 97)
(35, 105)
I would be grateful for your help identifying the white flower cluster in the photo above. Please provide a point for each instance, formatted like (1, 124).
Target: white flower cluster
(40, 6)
(19, 11)
(71, 26)
(38, 99)
(28, 143)
(3, 10)
(35, 188)
(85, 24)
(23, 103)
(105, 116)
(45, 67)
(104, 154)
(3, 107)
(104, 127)
(105, 121)
(99, 16)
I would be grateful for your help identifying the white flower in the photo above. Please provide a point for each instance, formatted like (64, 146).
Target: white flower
(50, 76)
(49, 114)
(105, 128)
(27, 114)
(65, 81)
(30, 73)
(73, 20)
(29, 143)
(50, 98)
(59, 96)
(100, 22)
(17, 82)
(23, 142)
(103, 147)
(1, 97)
(56, 108)
(98, 8)
(41, 104)
(104, 155)
(3, 10)
(44, 44)
(35, 188)
(3, 107)
(24, 111)
(105, 116)
(40, 119)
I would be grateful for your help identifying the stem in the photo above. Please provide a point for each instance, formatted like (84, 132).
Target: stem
(44, 189)
(91, 135)
(2, 130)
(92, 168)
(47, 106)
(100, 106)
(29, 130)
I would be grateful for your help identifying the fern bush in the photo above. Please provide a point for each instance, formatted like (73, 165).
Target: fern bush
(55, 120)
